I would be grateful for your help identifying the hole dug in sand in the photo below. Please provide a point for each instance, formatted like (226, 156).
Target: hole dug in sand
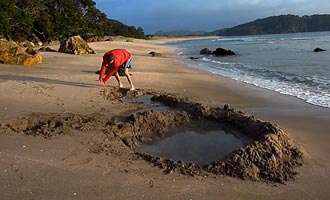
(229, 141)
(264, 151)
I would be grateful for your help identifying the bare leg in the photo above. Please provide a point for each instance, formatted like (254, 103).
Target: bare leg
(118, 80)
(129, 79)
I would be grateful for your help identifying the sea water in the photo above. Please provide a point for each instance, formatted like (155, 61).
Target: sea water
(284, 63)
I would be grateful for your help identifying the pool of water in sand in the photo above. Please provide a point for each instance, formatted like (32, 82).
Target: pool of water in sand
(147, 104)
(201, 143)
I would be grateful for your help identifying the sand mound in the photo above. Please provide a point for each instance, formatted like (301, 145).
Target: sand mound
(51, 125)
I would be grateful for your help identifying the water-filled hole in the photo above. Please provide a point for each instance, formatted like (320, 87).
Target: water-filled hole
(202, 143)
(147, 104)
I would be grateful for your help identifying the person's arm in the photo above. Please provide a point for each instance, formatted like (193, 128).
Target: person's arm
(102, 71)
(112, 70)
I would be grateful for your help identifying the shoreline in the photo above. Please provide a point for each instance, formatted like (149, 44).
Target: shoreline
(312, 96)
(67, 84)
(257, 100)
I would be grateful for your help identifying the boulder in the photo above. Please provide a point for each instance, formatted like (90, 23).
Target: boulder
(319, 49)
(223, 52)
(11, 53)
(109, 39)
(205, 51)
(7, 44)
(155, 54)
(75, 45)
(95, 39)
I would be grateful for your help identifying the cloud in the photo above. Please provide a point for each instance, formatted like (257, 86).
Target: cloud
(203, 15)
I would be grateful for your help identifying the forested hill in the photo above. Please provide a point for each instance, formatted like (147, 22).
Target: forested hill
(279, 24)
(57, 19)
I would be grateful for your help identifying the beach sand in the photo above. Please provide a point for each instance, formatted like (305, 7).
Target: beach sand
(67, 167)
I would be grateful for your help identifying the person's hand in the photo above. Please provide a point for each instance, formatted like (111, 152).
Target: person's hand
(102, 82)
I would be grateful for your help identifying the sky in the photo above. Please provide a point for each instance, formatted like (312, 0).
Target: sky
(205, 15)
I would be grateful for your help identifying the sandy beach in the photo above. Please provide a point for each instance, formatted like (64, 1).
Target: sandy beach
(69, 167)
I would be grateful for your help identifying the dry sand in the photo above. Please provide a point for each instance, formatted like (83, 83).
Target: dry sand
(67, 167)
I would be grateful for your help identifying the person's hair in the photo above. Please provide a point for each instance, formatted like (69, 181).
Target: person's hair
(110, 57)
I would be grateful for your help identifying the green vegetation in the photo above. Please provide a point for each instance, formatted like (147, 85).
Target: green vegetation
(56, 19)
(279, 24)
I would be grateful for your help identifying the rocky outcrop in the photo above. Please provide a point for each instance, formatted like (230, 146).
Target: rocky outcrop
(217, 52)
(11, 53)
(109, 39)
(154, 54)
(205, 51)
(75, 45)
(319, 49)
(95, 39)
(223, 52)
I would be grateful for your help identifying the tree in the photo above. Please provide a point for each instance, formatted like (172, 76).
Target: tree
(57, 19)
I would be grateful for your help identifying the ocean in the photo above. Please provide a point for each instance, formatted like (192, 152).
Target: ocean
(284, 63)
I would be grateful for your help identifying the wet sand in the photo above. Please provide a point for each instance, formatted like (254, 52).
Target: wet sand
(67, 167)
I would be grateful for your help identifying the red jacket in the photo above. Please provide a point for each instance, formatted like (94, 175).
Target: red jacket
(120, 56)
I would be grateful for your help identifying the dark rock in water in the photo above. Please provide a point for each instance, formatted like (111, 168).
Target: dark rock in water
(75, 45)
(319, 49)
(193, 58)
(205, 51)
(223, 52)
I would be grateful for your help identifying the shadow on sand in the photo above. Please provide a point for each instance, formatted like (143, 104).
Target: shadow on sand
(44, 80)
